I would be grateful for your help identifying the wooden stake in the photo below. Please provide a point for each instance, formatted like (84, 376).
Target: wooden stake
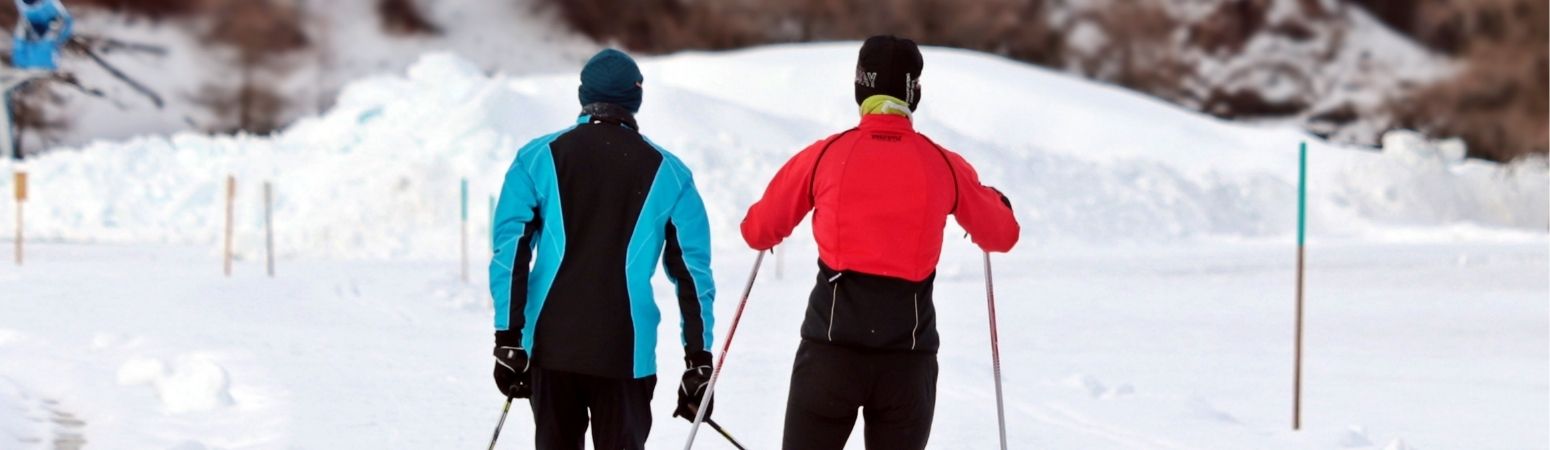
(1302, 213)
(269, 228)
(463, 228)
(231, 197)
(21, 197)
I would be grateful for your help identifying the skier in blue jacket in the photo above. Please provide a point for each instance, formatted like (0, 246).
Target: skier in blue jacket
(42, 26)
(576, 331)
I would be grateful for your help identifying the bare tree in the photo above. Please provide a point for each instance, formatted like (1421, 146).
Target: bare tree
(258, 34)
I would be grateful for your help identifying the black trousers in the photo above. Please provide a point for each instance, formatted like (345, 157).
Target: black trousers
(895, 391)
(620, 410)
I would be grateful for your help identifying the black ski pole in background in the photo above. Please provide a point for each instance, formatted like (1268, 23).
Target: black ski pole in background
(116, 73)
(715, 372)
(500, 424)
(724, 434)
(110, 45)
(995, 349)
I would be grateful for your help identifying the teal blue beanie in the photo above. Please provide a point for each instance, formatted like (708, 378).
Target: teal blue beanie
(611, 77)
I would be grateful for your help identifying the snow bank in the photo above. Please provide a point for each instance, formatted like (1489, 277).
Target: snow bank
(346, 42)
(377, 176)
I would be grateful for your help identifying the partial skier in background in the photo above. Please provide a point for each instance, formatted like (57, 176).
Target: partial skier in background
(880, 195)
(42, 26)
(577, 331)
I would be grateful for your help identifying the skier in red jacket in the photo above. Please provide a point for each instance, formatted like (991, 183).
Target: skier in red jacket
(880, 195)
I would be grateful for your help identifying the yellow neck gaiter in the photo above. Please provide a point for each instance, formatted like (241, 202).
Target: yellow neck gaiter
(885, 104)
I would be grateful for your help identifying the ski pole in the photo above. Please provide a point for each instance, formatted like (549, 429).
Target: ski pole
(710, 387)
(500, 424)
(724, 434)
(995, 349)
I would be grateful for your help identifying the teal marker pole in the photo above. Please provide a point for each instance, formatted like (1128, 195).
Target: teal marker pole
(463, 247)
(1302, 220)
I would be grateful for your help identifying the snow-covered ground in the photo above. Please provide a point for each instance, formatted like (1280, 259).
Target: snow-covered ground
(1437, 346)
(1149, 305)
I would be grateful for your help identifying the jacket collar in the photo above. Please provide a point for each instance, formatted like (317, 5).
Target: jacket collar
(607, 113)
(886, 122)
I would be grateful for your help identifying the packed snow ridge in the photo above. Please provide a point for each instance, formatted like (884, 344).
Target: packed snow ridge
(378, 175)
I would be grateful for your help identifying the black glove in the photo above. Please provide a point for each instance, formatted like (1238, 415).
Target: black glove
(695, 381)
(511, 367)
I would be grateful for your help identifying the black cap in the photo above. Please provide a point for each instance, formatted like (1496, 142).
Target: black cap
(889, 65)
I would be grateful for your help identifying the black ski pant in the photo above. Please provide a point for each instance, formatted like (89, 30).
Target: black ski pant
(620, 410)
(895, 391)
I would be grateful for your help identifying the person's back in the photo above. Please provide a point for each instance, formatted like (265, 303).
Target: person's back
(598, 205)
(880, 195)
(599, 315)
(883, 192)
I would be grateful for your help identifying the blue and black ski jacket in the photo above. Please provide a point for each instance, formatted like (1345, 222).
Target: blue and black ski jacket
(42, 27)
(599, 205)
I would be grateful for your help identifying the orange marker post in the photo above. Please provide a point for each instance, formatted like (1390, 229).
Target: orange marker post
(231, 197)
(268, 228)
(21, 197)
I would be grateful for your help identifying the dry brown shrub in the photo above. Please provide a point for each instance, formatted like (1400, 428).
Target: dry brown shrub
(260, 33)
(1140, 36)
(1011, 27)
(37, 116)
(1497, 105)
(404, 17)
(153, 9)
(1498, 102)
(1229, 26)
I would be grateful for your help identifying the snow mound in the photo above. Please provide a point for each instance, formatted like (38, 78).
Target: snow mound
(1355, 437)
(192, 384)
(378, 176)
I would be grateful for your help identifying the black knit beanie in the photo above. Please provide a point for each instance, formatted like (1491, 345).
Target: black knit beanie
(889, 65)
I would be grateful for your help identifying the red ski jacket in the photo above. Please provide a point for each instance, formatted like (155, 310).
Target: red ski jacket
(882, 194)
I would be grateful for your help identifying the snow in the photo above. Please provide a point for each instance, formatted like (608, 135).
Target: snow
(1149, 305)
(20, 421)
(194, 384)
(1177, 347)
(347, 43)
(1093, 163)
